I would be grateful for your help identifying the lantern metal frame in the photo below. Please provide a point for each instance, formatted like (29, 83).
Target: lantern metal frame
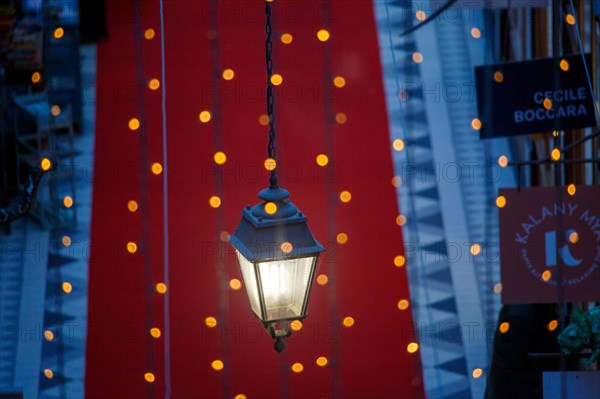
(282, 235)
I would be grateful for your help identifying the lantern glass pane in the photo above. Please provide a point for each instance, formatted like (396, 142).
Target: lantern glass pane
(285, 284)
(249, 277)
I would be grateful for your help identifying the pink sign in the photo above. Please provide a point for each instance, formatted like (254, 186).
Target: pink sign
(550, 241)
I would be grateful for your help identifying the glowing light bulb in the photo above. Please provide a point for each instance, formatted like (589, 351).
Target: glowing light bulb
(134, 124)
(345, 196)
(570, 19)
(399, 261)
(574, 237)
(228, 74)
(475, 249)
(398, 145)
(149, 34)
(546, 275)
(323, 35)
(270, 208)
(67, 287)
(501, 201)
(341, 118)
(412, 347)
(417, 57)
(339, 82)
(132, 247)
(59, 33)
(68, 201)
(297, 367)
(214, 201)
(220, 158)
(286, 38)
(155, 332)
(322, 160)
(342, 238)
(498, 77)
(149, 377)
(45, 164)
(161, 288)
(503, 161)
(276, 79)
(296, 325)
(270, 164)
(235, 284)
(263, 120)
(132, 206)
(204, 116)
(275, 275)
(156, 168)
(403, 304)
(210, 322)
(217, 365)
(400, 220)
(154, 84)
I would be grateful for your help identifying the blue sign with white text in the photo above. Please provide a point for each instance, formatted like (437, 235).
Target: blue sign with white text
(534, 96)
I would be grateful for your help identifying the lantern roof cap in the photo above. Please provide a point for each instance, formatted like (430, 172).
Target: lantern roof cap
(274, 229)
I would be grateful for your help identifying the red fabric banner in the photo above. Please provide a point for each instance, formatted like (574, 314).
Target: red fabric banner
(373, 360)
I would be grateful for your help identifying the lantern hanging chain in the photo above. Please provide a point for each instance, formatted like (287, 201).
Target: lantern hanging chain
(271, 150)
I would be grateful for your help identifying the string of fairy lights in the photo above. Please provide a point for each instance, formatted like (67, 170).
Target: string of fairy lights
(218, 74)
(61, 287)
(140, 124)
(332, 83)
(153, 289)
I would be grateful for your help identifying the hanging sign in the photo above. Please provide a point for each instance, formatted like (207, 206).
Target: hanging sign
(534, 96)
(542, 231)
(490, 4)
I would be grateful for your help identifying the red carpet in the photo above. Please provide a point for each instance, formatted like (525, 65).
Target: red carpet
(373, 361)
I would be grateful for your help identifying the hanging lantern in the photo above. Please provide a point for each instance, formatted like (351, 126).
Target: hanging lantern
(278, 257)
(276, 250)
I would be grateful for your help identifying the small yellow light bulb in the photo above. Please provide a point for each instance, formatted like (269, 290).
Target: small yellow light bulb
(286, 38)
(134, 124)
(323, 35)
(45, 164)
(154, 84)
(59, 33)
(204, 116)
(161, 288)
